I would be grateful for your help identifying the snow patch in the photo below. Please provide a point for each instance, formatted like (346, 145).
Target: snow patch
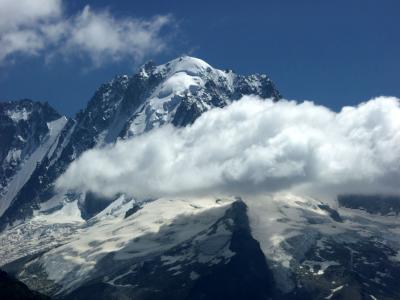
(190, 65)
(179, 83)
(69, 213)
(335, 290)
(14, 155)
(19, 115)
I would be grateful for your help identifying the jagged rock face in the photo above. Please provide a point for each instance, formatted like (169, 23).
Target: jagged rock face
(189, 87)
(23, 125)
(28, 131)
(176, 92)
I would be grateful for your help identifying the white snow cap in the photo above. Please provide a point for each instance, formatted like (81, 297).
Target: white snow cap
(190, 65)
(18, 115)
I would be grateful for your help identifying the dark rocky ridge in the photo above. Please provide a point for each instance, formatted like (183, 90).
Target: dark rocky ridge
(13, 289)
(373, 204)
(22, 128)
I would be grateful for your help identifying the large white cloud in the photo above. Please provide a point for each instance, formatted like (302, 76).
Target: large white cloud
(250, 147)
(42, 27)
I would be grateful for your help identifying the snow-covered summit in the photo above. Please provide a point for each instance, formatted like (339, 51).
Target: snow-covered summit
(190, 65)
(185, 87)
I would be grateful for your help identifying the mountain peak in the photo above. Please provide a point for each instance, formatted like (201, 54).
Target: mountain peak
(190, 65)
(23, 109)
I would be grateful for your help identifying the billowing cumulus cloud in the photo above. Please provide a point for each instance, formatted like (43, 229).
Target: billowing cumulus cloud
(42, 27)
(250, 147)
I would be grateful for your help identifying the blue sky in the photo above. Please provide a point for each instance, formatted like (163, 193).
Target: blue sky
(335, 53)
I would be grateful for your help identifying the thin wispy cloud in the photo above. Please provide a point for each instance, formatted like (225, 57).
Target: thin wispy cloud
(251, 147)
(42, 27)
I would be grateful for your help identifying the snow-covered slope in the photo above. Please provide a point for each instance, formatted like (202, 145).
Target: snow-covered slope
(303, 249)
(157, 227)
(29, 164)
(166, 242)
(327, 253)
